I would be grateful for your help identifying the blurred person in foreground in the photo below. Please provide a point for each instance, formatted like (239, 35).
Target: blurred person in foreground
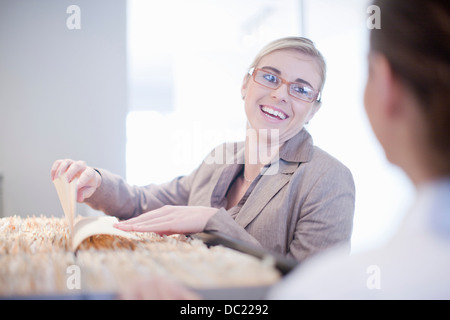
(407, 100)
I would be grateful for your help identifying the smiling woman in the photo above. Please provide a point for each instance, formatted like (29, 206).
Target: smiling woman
(273, 102)
(295, 202)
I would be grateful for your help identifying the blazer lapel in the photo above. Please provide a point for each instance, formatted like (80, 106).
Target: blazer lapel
(266, 188)
(295, 151)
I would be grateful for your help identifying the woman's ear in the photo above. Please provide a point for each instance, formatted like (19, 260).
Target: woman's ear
(386, 86)
(244, 86)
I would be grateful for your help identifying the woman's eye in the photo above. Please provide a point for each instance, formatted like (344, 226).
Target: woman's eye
(270, 77)
(302, 90)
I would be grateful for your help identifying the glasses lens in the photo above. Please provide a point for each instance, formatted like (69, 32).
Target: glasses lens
(302, 91)
(267, 79)
(297, 90)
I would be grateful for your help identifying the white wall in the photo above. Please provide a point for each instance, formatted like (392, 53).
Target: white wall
(62, 94)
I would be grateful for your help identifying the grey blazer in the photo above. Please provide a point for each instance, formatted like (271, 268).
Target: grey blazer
(306, 206)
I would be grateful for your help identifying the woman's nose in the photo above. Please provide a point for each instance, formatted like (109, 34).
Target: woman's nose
(280, 93)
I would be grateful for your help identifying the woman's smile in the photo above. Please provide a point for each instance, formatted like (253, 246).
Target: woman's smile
(273, 113)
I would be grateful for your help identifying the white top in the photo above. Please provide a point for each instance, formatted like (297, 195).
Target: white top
(415, 264)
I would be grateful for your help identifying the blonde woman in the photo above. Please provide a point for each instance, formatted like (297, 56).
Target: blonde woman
(275, 189)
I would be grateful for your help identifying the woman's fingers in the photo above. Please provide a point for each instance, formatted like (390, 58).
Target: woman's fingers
(59, 167)
(148, 215)
(75, 169)
(71, 167)
(158, 221)
(54, 168)
(161, 228)
(169, 220)
(88, 179)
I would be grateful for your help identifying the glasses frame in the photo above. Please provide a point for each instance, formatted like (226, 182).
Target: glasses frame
(317, 94)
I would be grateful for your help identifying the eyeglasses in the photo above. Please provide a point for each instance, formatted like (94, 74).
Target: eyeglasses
(297, 90)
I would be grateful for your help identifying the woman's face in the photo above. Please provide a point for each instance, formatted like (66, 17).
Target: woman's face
(268, 108)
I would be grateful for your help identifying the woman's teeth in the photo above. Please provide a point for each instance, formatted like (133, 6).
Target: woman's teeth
(275, 113)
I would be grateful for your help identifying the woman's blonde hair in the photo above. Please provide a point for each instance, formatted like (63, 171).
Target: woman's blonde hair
(300, 44)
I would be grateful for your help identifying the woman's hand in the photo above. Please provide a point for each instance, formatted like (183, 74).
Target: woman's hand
(88, 179)
(170, 220)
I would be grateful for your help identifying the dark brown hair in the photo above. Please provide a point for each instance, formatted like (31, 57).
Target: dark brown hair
(415, 38)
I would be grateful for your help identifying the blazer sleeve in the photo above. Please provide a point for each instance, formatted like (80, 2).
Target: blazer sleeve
(223, 222)
(326, 217)
(117, 198)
